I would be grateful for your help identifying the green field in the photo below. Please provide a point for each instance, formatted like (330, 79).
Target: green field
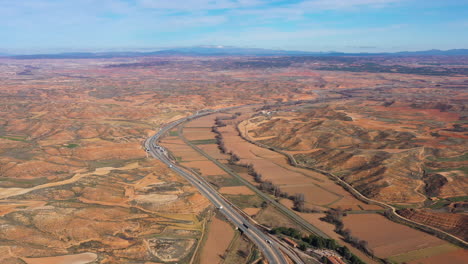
(72, 145)
(224, 180)
(423, 253)
(14, 138)
(463, 157)
(245, 201)
(203, 141)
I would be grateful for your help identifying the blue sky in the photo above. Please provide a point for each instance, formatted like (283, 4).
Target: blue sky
(28, 26)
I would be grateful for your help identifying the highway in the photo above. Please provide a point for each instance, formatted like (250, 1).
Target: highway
(269, 246)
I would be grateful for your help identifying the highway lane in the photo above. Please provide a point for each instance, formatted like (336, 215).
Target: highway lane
(283, 209)
(269, 247)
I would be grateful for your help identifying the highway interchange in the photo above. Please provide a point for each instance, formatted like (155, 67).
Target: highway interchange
(269, 245)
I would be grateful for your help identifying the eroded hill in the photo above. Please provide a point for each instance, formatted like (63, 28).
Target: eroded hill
(397, 153)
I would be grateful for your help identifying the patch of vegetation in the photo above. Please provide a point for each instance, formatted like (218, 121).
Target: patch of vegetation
(14, 138)
(92, 244)
(174, 133)
(463, 157)
(464, 169)
(224, 181)
(404, 206)
(237, 168)
(317, 242)
(203, 141)
(71, 145)
(439, 204)
(270, 216)
(70, 203)
(104, 92)
(458, 199)
(106, 163)
(245, 201)
(22, 183)
(254, 256)
(389, 120)
(422, 253)
(239, 250)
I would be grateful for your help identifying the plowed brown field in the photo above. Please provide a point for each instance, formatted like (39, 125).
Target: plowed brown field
(387, 238)
(220, 235)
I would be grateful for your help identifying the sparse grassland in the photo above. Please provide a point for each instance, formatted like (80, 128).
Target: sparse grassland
(15, 138)
(71, 145)
(245, 201)
(423, 253)
(203, 141)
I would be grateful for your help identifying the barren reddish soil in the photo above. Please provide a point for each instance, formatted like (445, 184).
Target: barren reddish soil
(180, 150)
(198, 133)
(70, 259)
(204, 121)
(213, 151)
(206, 167)
(387, 238)
(219, 237)
(74, 178)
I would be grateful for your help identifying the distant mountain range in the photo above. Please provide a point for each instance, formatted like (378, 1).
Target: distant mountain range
(229, 51)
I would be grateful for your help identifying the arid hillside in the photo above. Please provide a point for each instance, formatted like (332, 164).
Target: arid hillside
(397, 153)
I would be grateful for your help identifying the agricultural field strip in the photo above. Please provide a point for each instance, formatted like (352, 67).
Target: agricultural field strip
(306, 225)
(419, 253)
(340, 197)
(361, 197)
(299, 172)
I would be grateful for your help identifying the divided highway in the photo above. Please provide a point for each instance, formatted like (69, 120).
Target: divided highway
(269, 247)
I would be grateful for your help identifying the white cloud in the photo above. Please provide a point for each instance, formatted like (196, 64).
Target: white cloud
(196, 5)
(274, 38)
(344, 4)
